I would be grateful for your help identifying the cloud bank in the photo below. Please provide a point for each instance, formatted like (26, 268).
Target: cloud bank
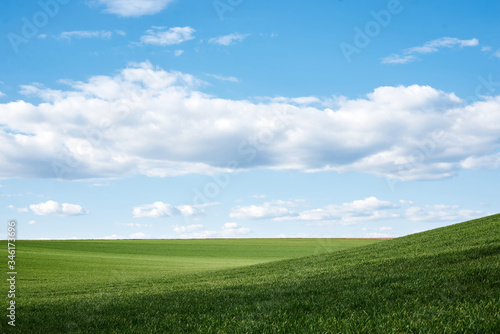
(149, 121)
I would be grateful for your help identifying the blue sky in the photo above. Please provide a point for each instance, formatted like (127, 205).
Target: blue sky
(210, 119)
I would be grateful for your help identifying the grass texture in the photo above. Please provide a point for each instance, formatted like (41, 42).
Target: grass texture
(445, 280)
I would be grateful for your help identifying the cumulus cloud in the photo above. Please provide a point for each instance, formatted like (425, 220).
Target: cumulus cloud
(145, 120)
(133, 8)
(367, 209)
(429, 47)
(103, 34)
(160, 209)
(267, 210)
(228, 39)
(234, 229)
(187, 228)
(139, 235)
(162, 37)
(55, 208)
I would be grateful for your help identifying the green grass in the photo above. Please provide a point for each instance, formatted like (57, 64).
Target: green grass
(441, 281)
(48, 267)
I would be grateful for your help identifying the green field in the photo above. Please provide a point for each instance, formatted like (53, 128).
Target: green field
(442, 281)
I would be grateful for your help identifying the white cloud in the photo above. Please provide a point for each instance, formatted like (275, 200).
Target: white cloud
(139, 235)
(496, 54)
(223, 78)
(436, 213)
(134, 8)
(367, 209)
(483, 162)
(103, 34)
(196, 231)
(145, 120)
(42, 36)
(112, 237)
(486, 48)
(160, 209)
(399, 59)
(177, 53)
(234, 229)
(188, 228)
(18, 209)
(55, 208)
(259, 196)
(2, 94)
(228, 39)
(160, 36)
(429, 47)
(265, 211)
(31, 222)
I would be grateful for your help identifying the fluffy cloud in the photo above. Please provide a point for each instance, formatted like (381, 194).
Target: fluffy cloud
(370, 208)
(134, 8)
(267, 210)
(139, 235)
(145, 120)
(160, 36)
(429, 47)
(160, 209)
(228, 39)
(234, 229)
(55, 208)
(188, 228)
(367, 209)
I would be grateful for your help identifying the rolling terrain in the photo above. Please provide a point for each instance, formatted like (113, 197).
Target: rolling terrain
(445, 280)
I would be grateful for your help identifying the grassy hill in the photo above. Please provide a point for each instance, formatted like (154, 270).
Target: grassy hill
(442, 281)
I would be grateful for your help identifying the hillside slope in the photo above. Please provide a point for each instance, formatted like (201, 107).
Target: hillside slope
(442, 281)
